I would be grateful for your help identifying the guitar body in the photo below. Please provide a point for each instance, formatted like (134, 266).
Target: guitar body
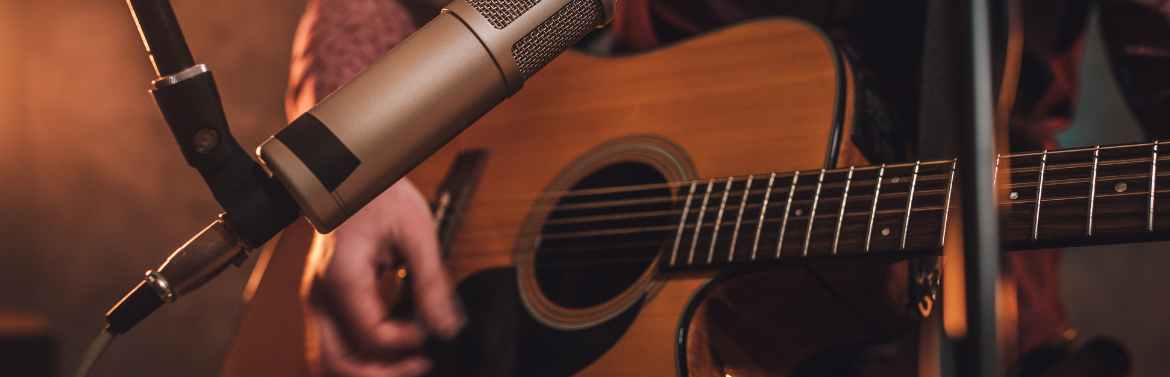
(759, 97)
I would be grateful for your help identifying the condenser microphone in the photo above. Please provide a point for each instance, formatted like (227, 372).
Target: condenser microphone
(338, 156)
(357, 142)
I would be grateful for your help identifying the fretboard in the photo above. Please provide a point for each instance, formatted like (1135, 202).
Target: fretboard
(1082, 196)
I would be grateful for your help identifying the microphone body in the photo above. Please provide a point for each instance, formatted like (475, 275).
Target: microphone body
(338, 156)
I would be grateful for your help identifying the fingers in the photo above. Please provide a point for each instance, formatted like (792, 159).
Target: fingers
(414, 239)
(352, 287)
(355, 334)
(336, 359)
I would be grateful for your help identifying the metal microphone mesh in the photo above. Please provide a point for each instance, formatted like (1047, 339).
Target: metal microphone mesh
(556, 34)
(500, 13)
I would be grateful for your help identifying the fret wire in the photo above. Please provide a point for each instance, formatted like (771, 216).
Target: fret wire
(787, 209)
(719, 221)
(841, 213)
(699, 223)
(682, 224)
(763, 210)
(877, 188)
(909, 205)
(1153, 183)
(995, 178)
(812, 214)
(942, 238)
(739, 217)
(1092, 191)
(1039, 195)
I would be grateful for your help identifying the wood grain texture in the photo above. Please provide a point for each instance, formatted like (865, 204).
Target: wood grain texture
(749, 99)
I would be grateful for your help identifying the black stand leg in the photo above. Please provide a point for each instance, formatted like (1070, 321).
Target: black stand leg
(958, 72)
(977, 352)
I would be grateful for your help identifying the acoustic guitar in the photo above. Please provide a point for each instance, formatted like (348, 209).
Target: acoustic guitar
(611, 190)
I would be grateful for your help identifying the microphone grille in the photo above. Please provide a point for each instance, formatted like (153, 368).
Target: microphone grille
(556, 34)
(500, 13)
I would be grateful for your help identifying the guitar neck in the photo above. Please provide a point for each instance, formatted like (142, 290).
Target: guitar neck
(1070, 197)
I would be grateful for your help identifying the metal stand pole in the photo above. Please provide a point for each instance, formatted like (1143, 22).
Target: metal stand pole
(958, 72)
(977, 352)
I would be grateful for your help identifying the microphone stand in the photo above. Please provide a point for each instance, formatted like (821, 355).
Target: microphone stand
(256, 206)
(977, 353)
(959, 69)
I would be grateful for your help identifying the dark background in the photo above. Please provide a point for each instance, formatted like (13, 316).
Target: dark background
(93, 192)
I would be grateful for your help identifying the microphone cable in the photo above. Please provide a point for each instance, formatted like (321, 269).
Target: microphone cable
(96, 348)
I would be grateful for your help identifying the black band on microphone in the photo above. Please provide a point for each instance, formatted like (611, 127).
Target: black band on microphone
(320, 150)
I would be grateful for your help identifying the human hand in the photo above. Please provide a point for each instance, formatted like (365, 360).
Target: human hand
(349, 331)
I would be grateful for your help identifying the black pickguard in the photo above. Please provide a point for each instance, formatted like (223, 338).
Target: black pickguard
(502, 339)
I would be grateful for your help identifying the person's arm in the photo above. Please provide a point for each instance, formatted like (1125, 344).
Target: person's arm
(337, 39)
(348, 328)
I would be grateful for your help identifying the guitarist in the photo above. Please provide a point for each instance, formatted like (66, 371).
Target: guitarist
(348, 332)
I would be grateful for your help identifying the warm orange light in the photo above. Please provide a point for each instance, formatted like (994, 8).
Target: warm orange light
(954, 288)
(1007, 315)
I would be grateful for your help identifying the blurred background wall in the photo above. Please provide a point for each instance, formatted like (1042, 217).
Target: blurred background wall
(93, 192)
(92, 189)
(1117, 290)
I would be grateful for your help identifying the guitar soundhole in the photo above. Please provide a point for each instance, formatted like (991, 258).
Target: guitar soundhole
(602, 236)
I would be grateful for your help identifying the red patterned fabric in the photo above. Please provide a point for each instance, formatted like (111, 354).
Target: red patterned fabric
(336, 40)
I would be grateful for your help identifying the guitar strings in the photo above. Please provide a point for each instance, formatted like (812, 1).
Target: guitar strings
(618, 189)
(735, 197)
(533, 236)
(861, 197)
(801, 188)
(612, 260)
(813, 172)
(630, 260)
(627, 260)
